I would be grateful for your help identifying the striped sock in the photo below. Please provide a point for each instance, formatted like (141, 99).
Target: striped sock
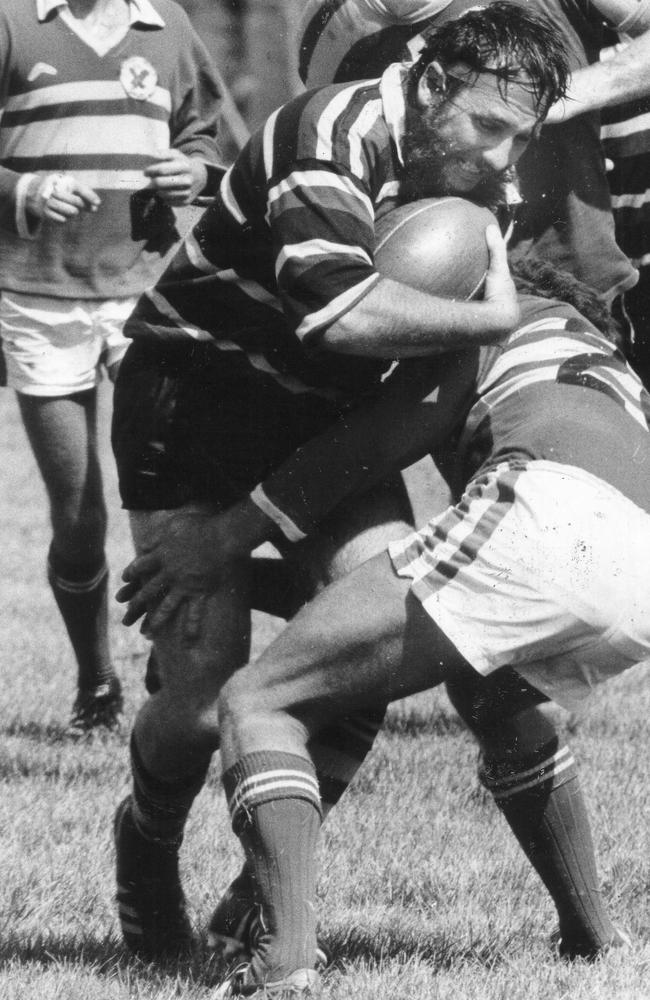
(81, 594)
(276, 813)
(543, 804)
(160, 808)
(337, 752)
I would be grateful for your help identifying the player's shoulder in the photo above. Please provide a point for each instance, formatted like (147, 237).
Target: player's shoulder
(19, 13)
(340, 39)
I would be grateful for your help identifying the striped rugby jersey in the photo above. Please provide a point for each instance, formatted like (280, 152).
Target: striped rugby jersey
(100, 117)
(288, 245)
(558, 390)
(565, 216)
(555, 389)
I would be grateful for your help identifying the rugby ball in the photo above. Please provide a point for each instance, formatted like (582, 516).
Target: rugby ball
(437, 245)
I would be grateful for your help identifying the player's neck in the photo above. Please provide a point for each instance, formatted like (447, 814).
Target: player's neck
(100, 23)
(104, 13)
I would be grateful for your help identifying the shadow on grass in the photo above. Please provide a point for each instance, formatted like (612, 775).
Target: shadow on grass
(38, 732)
(378, 942)
(33, 750)
(108, 957)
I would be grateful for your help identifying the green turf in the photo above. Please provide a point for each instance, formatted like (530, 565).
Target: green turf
(423, 894)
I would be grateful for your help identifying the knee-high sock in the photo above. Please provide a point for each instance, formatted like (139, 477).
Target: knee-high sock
(543, 803)
(275, 807)
(337, 752)
(81, 594)
(160, 808)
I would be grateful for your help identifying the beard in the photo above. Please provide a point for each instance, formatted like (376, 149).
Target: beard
(428, 168)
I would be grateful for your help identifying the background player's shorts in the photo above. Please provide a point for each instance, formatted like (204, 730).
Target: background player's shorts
(542, 567)
(193, 423)
(55, 347)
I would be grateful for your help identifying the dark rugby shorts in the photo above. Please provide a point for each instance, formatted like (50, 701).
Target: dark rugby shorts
(192, 423)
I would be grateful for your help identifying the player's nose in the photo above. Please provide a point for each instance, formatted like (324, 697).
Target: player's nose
(502, 155)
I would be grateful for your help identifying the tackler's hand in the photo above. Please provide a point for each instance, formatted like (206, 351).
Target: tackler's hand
(195, 555)
(499, 291)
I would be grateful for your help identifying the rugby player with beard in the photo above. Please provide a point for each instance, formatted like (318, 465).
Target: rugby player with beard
(270, 323)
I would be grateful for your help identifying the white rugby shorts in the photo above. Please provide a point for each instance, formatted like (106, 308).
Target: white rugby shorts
(541, 567)
(55, 347)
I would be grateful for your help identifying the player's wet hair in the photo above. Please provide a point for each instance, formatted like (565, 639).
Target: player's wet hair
(506, 41)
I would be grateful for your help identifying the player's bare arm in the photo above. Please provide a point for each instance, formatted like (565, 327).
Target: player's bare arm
(623, 77)
(396, 321)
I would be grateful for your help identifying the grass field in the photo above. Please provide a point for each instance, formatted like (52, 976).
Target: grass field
(423, 893)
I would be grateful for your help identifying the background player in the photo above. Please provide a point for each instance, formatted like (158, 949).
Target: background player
(109, 118)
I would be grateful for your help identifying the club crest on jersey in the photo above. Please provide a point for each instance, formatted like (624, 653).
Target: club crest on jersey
(138, 77)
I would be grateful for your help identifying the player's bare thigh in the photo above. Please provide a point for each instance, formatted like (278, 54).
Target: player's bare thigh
(364, 641)
(193, 664)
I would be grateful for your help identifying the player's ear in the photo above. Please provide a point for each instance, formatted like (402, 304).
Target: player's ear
(432, 85)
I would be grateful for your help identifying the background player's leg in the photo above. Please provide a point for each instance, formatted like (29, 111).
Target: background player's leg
(63, 436)
(534, 780)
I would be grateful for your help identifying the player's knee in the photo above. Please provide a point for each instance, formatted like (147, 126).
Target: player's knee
(243, 703)
(79, 526)
(493, 707)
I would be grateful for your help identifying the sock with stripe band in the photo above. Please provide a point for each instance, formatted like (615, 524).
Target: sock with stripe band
(337, 752)
(81, 595)
(542, 801)
(276, 813)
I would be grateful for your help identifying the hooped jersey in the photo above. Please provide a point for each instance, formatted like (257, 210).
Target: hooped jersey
(566, 216)
(555, 389)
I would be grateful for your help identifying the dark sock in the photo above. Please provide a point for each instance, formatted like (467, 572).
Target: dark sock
(160, 808)
(339, 750)
(543, 803)
(81, 594)
(275, 807)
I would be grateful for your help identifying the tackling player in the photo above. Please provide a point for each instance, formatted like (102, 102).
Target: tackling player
(533, 586)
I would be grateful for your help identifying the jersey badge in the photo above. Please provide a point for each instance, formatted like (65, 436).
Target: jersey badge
(138, 77)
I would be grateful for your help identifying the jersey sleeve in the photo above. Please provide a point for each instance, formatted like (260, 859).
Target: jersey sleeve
(196, 107)
(322, 224)
(418, 411)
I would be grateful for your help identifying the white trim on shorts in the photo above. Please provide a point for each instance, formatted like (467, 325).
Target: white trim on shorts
(542, 567)
(56, 347)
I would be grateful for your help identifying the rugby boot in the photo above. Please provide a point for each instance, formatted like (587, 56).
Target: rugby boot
(237, 923)
(150, 899)
(569, 951)
(303, 984)
(99, 707)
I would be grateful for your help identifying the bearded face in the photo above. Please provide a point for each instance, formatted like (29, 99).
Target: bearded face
(437, 164)
(463, 134)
